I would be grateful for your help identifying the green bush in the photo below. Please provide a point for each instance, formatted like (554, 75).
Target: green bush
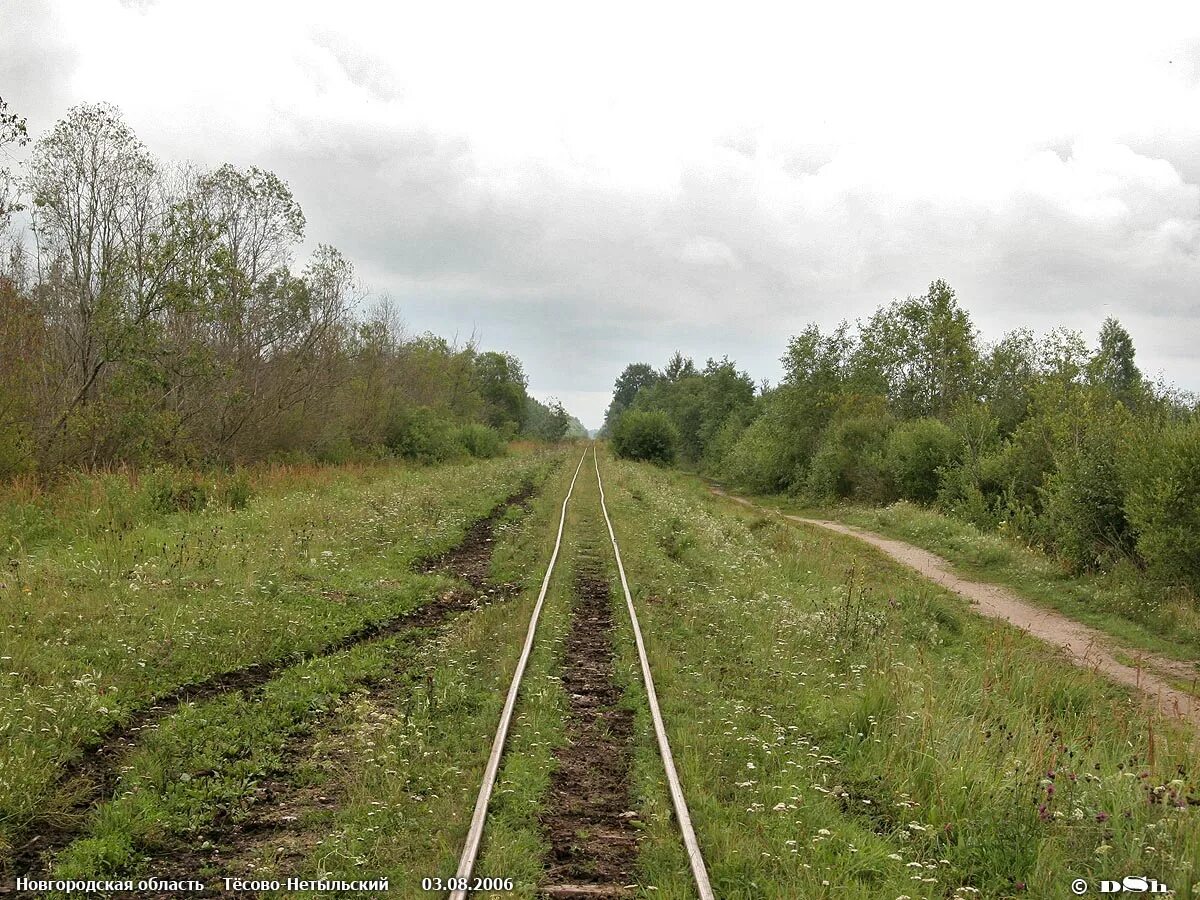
(759, 460)
(1083, 499)
(1164, 502)
(850, 462)
(646, 436)
(168, 490)
(974, 490)
(419, 433)
(235, 491)
(917, 453)
(481, 441)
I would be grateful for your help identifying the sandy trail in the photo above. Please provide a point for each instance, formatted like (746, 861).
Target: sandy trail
(1083, 645)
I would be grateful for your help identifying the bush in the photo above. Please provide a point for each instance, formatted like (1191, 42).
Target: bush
(760, 459)
(168, 490)
(850, 462)
(236, 492)
(974, 490)
(1164, 502)
(480, 441)
(917, 453)
(419, 433)
(646, 436)
(1083, 499)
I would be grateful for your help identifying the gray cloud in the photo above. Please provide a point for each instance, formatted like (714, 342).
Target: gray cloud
(748, 237)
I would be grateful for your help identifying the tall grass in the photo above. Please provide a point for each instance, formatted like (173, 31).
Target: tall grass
(846, 729)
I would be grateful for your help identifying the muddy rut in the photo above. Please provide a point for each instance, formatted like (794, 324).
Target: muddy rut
(1083, 645)
(94, 776)
(588, 821)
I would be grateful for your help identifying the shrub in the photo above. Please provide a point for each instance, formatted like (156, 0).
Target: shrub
(167, 490)
(974, 490)
(481, 441)
(917, 452)
(235, 492)
(1083, 499)
(850, 462)
(419, 433)
(759, 460)
(1164, 502)
(646, 436)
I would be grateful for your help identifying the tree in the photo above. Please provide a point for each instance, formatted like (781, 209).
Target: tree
(645, 435)
(167, 320)
(503, 385)
(1113, 367)
(635, 377)
(917, 454)
(679, 367)
(557, 421)
(922, 352)
(13, 132)
(1008, 371)
(94, 186)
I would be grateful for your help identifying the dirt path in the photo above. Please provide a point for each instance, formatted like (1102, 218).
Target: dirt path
(588, 821)
(1085, 646)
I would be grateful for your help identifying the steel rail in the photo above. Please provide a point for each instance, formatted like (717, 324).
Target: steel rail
(699, 871)
(466, 864)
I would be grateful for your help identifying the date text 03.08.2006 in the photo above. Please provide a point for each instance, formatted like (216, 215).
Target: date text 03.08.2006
(467, 884)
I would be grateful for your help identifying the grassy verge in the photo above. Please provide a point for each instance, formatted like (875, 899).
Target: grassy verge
(416, 751)
(1122, 602)
(104, 618)
(846, 729)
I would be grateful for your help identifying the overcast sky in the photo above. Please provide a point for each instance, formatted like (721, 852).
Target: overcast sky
(588, 187)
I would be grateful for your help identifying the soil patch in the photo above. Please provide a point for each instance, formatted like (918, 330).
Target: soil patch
(93, 777)
(588, 820)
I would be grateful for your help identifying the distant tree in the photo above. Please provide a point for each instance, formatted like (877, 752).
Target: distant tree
(1008, 371)
(645, 435)
(12, 133)
(921, 351)
(502, 383)
(1062, 355)
(635, 377)
(559, 420)
(93, 186)
(547, 421)
(679, 367)
(1113, 367)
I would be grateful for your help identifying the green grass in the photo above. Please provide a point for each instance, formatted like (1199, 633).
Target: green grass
(842, 727)
(414, 826)
(1123, 602)
(104, 618)
(846, 729)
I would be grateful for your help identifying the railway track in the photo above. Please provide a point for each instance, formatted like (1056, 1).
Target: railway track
(463, 883)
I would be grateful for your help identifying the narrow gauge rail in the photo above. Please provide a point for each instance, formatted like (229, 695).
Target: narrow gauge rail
(466, 865)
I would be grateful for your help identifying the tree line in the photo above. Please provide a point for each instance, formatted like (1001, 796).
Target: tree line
(1068, 446)
(154, 312)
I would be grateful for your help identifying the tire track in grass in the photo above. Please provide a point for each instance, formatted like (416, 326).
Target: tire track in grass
(93, 777)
